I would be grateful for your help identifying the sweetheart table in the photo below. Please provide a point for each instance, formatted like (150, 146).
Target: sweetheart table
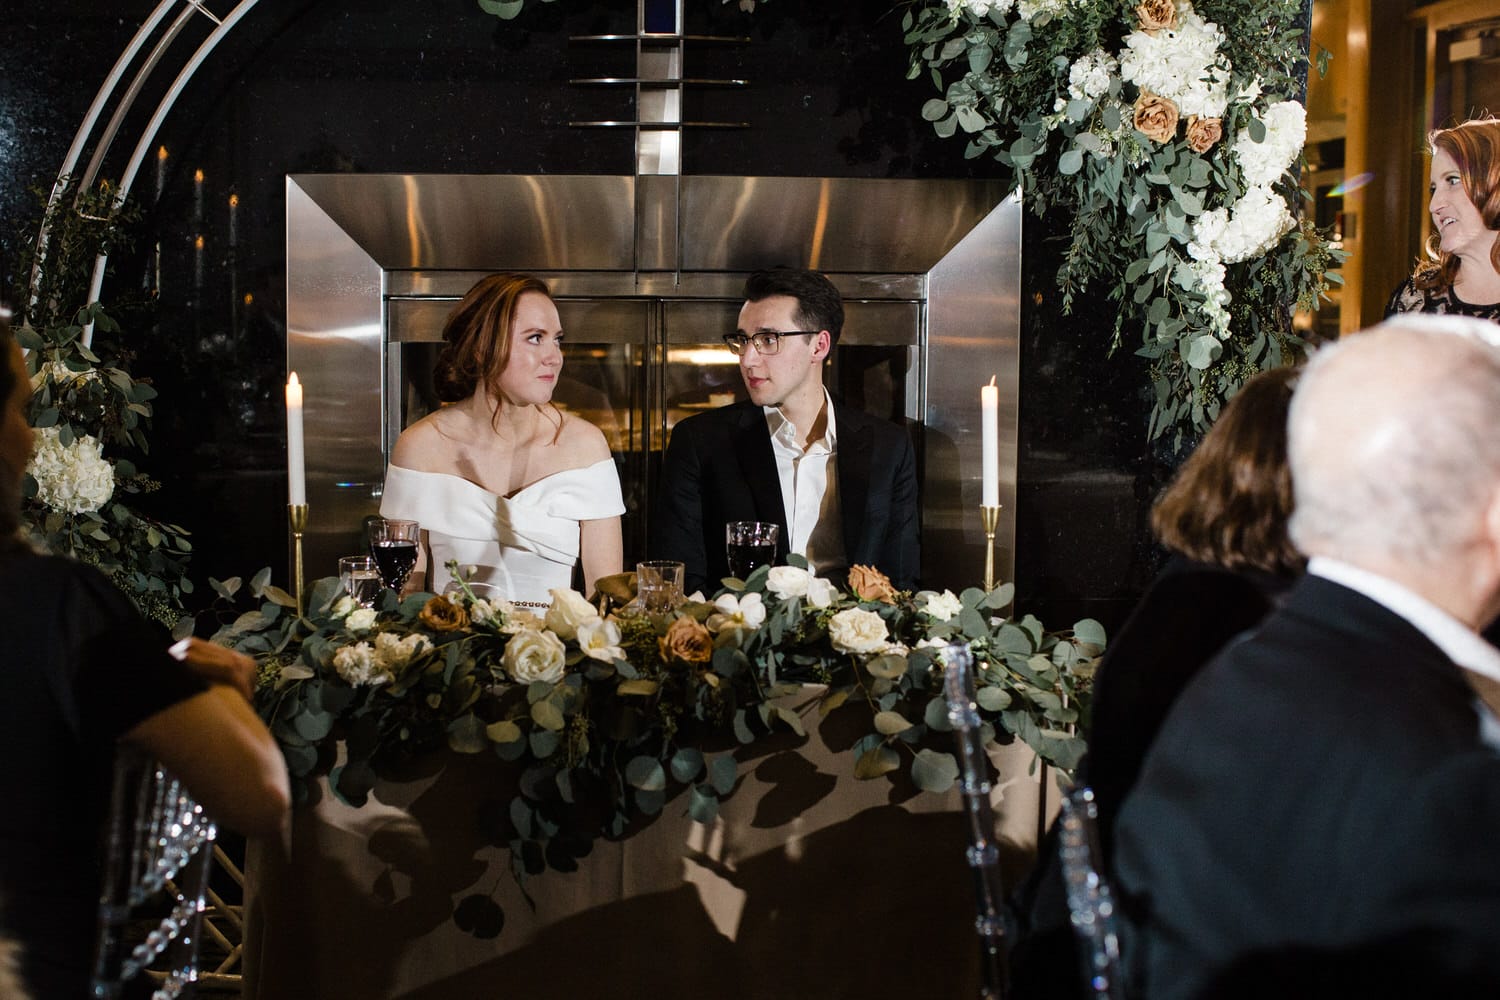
(810, 883)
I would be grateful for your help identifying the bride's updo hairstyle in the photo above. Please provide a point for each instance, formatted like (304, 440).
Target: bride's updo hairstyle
(476, 337)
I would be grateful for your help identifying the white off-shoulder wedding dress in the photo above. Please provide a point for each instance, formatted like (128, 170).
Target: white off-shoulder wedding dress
(523, 545)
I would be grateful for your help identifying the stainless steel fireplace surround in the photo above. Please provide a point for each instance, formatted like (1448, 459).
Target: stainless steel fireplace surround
(647, 272)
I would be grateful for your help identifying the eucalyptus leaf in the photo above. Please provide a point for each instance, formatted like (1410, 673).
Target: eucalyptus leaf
(891, 723)
(687, 764)
(933, 771)
(646, 773)
(876, 761)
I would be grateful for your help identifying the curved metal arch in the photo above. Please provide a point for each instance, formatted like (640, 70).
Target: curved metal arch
(148, 134)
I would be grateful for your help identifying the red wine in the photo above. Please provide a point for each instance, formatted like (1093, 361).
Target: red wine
(395, 560)
(746, 559)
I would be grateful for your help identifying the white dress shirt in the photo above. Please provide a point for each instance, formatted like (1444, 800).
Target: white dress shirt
(1457, 641)
(809, 489)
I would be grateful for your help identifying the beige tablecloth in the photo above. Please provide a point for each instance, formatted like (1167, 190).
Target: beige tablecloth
(811, 884)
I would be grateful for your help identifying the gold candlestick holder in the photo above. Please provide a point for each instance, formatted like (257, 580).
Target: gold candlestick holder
(989, 515)
(297, 515)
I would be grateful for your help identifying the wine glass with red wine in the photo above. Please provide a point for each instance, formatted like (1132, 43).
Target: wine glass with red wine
(393, 546)
(750, 545)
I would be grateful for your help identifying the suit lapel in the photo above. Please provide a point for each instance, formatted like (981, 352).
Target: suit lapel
(752, 448)
(855, 442)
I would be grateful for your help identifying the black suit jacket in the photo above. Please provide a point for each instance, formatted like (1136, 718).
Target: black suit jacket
(719, 467)
(1322, 787)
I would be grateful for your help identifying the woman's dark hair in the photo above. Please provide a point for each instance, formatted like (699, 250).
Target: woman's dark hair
(1230, 502)
(1475, 146)
(476, 336)
(10, 479)
(819, 305)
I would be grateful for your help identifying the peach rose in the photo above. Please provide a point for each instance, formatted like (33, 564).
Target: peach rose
(1155, 117)
(442, 615)
(869, 584)
(686, 640)
(1204, 133)
(1157, 14)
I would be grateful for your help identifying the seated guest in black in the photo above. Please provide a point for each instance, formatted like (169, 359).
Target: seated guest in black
(1224, 519)
(80, 669)
(841, 484)
(1330, 783)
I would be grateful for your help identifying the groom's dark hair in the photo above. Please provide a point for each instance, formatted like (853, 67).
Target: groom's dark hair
(819, 305)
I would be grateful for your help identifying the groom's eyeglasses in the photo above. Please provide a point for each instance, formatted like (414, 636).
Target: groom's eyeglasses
(764, 343)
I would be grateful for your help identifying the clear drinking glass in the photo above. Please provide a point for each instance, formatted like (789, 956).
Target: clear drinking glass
(658, 584)
(360, 578)
(750, 545)
(393, 546)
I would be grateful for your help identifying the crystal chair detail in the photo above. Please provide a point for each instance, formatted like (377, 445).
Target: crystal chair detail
(1091, 905)
(158, 853)
(983, 852)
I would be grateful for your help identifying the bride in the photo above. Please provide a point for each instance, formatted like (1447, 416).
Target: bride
(502, 479)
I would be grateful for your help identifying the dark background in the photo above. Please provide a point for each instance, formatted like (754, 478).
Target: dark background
(435, 86)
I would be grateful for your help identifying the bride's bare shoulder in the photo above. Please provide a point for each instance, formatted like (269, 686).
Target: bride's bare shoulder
(427, 445)
(582, 441)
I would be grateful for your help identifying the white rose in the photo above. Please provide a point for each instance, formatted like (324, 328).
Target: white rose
(942, 606)
(569, 610)
(747, 611)
(600, 639)
(856, 630)
(361, 620)
(357, 665)
(533, 655)
(788, 581)
(820, 592)
(342, 607)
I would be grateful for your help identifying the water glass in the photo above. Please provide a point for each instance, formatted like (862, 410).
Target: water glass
(750, 545)
(360, 579)
(658, 585)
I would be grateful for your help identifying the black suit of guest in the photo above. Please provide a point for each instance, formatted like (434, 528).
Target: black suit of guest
(720, 467)
(1322, 789)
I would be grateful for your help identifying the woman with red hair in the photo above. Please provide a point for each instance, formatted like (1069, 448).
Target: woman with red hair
(1462, 274)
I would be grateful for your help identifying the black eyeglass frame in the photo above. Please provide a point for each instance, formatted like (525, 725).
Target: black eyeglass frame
(763, 339)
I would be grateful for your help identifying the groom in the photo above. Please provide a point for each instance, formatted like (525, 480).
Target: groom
(841, 484)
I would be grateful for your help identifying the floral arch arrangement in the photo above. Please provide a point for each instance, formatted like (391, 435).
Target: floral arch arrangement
(1171, 132)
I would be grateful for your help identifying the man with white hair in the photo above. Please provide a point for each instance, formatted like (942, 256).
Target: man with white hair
(1320, 815)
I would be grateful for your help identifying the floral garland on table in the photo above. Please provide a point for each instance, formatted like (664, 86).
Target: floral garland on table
(74, 499)
(622, 710)
(1169, 131)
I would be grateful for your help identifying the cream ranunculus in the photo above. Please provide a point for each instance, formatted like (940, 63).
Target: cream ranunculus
(855, 630)
(787, 582)
(533, 655)
(942, 606)
(360, 620)
(600, 639)
(569, 610)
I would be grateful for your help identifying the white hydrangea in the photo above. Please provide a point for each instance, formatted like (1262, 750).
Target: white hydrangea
(1184, 64)
(72, 478)
(1248, 228)
(1089, 76)
(979, 8)
(1263, 163)
(1027, 10)
(1207, 277)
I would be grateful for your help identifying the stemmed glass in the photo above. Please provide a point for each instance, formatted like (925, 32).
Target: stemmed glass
(749, 545)
(393, 546)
